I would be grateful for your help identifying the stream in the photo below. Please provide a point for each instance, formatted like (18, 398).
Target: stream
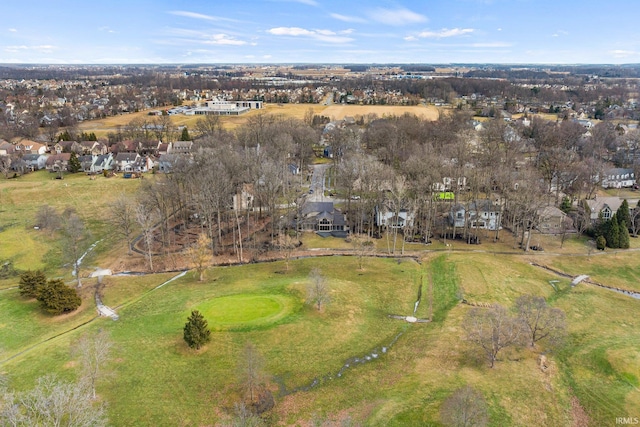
(92, 247)
(371, 355)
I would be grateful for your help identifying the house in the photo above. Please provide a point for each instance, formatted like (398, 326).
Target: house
(182, 147)
(386, 217)
(57, 162)
(125, 162)
(244, 199)
(167, 162)
(35, 161)
(30, 147)
(619, 178)
(68, 147)
(86, 162)
(6, 148)
(102, 162)
(603, 207)
(477, 214)
(165, 148)
(293, 169)
(450, 184)
(93, 147)
(322, 217)
(149, 148)
(553, 221)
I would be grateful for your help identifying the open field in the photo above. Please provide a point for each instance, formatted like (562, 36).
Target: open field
(102, 127)
(157, 380)
(156, 377)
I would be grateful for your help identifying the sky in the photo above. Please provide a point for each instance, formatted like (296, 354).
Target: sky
(320, 31)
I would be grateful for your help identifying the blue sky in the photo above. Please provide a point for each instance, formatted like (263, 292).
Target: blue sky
(320, 31)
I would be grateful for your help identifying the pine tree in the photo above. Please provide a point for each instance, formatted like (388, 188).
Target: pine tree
(623, 214)
(623, 241)
(185, 135)
(58, 298)
(196, 330)
(613, 238)
(74, 163)
(31, 282)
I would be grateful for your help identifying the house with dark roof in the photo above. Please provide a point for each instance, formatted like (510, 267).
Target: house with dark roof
(102, 163)
(476, 214)
(124, 162)
(58, 162)
(322, 217)
(619, 178)
(35, 161)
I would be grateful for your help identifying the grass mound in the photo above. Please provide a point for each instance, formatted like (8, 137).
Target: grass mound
(246, 311)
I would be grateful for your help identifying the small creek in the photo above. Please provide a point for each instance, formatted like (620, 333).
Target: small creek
(351, 362)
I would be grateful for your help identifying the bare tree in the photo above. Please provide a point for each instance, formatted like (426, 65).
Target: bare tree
(53, 403)
(47, 218)
(492, 329)
(94, 352)
(200, 255)
(318, 289)
(286, 244)
(539, 320)
(244, 417)
(74, 233)
(466, 407)
(123, 218)
(146, 217)
(363, 246)
(252, 378)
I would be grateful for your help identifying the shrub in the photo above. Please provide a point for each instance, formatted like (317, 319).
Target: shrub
(57, 298)
(31, 282)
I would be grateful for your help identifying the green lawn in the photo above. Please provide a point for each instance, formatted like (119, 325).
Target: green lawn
(158, 381)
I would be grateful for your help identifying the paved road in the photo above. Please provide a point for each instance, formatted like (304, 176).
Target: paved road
(317, 184)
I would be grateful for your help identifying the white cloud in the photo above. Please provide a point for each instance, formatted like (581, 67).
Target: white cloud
(620, 53)
(12, 30)
(45, 48)
(444, 33)
(560, 33)
(396, 17)
(492, 44)
(266, 56)
(224, 39)
(195, 15)
(106, 29)
(321, 35)
(307, 2)
(345, 18)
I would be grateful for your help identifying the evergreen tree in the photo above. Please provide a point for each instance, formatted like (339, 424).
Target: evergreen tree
(196, 330)
(623, 214)
(601, 243)
(623, 242)
(58, 298)
(565, 206)
(31, 282)
(185, 135)
(613, 238)
(74, 163)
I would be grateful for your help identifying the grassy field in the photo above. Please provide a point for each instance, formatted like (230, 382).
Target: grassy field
(20, 199)
(156, 377)
(157, 380)
(102, 127)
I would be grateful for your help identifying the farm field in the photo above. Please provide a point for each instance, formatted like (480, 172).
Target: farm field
(336, 112)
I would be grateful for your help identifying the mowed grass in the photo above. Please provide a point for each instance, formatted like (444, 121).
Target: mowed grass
(21, 198)
(159, 381)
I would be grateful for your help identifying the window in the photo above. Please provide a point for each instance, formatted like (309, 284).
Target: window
(606, 213)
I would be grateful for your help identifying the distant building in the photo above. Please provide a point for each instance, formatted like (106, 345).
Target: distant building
(220, 107)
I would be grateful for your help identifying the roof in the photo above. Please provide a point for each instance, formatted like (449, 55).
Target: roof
(126, 157)
(53, 159)
(31, 157)
(596, 205)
